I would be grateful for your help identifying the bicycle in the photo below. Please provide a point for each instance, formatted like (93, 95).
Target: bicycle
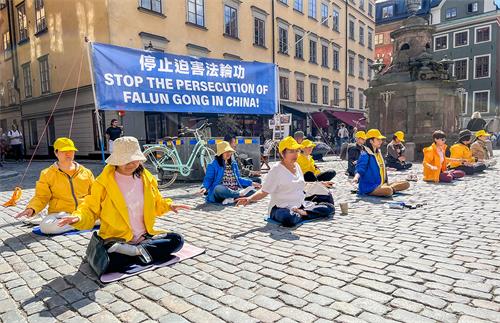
(163, 161)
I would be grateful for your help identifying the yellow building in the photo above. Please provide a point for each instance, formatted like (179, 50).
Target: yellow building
(323, 50)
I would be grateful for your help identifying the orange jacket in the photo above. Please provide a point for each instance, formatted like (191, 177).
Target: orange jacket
(431, 157)
(460, 151)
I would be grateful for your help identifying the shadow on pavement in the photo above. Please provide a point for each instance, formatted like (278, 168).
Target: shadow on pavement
(20, 242)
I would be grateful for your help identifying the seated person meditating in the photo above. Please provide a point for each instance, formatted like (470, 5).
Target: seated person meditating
(285, 184)
(396, 153)
(125, 197)
(223, 181)
(311, 172)
(62, 186)
(461, 156)
(245, 164)
(354, 151)
(480, 149)
(371, 174)
(435, 161)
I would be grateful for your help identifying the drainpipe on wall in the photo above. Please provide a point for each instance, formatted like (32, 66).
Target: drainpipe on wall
(273, 29)
(346, 54)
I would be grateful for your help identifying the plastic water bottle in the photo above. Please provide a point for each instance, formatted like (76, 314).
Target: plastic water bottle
(396, 205)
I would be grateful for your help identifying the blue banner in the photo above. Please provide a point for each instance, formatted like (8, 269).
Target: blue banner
(136, 80)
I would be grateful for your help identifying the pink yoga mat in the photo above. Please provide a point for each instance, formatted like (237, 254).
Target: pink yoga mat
(187, 251)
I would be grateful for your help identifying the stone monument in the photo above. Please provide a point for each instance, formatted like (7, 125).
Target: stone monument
(415, 94)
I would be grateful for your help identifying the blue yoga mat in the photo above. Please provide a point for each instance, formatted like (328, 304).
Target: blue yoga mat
(36, 230)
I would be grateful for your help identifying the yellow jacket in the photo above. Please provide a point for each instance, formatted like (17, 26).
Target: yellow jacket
(306, 163)
(460, 151)
(106, 203)
(63, 193)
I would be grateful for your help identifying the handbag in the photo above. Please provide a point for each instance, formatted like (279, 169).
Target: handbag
(97, 254)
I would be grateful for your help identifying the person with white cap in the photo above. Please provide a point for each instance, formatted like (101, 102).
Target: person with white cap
(62, 187)
(371, 173)
(223, 182)
(286, 185)
(126, 199)
(395, 157)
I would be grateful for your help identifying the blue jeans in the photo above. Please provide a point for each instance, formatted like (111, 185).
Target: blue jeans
(222, 192)
(289, 218)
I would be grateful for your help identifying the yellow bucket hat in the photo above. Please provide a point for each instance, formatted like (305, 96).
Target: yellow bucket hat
(223, 147)
(360, 134)
(308, 144)
(374, 133)
(64, 144)
(400, 135)
(288, 143)
(482, 133)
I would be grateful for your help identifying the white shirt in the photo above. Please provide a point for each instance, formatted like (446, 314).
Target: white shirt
(343, 133)
(286, 189)
(12, 134)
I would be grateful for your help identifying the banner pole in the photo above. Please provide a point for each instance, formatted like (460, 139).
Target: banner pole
(97, 117)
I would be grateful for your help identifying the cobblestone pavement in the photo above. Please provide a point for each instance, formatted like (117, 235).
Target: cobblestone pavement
(439, 263)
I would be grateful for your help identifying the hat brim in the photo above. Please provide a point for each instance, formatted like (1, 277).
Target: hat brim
(309, 146)
(293, 146)
(378, 137)
(67, 149)
(120, 160)
(229, 149)
(484, 135)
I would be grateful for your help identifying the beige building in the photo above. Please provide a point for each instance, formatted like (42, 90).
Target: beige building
(323, 50)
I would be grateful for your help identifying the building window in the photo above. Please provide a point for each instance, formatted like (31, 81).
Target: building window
(22, 22)
(28, 87)
(153, 5)
(370, 38)
(379, 39)
(324, 14)
(7, 48)
(473, 7)
(230, 21)
(196, 12)
(362, 67)
(350, 97)
(300, 90)
(33, 133)
(336, 59)
(370, 70)
(44, 74)
(362, 35)
(324, 55)
(313, 52)
(259, 32)
(336, 96)
(298, 5)
(461, 38)
(460, 69)
(351, 29)
(299, 46)
(314, 93)
(283, 41)
(387, 12)
(336, 19)
(362, 5)
(361, 97)
(284, 93)
(351, 65)
(482, 66)
(312, 9)
(325, 94)
(41, 23)
(370, 9)
(481, 101)
(463, 102)
(451, 13)
(284, 1)
(482, 34)
(441, 43)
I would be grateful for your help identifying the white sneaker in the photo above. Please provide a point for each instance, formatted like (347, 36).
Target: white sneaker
(245, 191)
(228, 201)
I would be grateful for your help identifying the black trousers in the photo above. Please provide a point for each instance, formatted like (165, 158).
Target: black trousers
(398, 165)
(17, 150)
(159, 249)
(321, 177)
(471, 170)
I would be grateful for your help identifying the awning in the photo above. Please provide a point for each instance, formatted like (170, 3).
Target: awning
(355, 119)
(320, 120)
(302, 108)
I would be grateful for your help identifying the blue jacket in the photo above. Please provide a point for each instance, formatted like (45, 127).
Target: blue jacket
(214, 176)
(369, 171)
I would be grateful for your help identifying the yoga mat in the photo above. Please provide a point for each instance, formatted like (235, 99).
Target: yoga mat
(36, 230)
(187, 251)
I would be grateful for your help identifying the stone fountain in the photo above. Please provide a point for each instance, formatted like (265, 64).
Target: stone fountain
(415, 94)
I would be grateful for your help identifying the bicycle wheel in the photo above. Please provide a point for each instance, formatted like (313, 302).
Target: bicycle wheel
(156, 157)
(206, 157)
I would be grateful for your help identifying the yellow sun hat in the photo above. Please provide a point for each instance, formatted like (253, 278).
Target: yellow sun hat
(288, 143)
(374, 133)
(360, 135)
(224, 147)
(400, 135)
(64, 144)
(481, 133)
(308, 144)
